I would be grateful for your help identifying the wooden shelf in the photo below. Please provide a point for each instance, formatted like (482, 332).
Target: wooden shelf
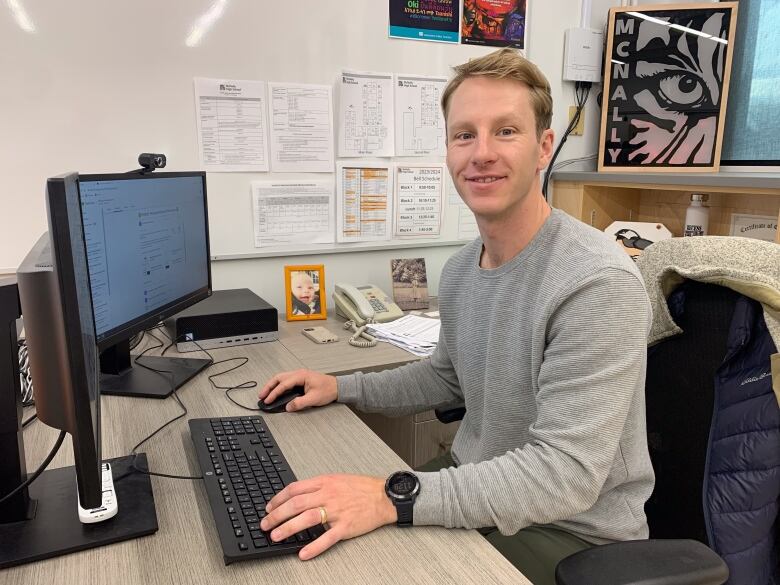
(599, 199)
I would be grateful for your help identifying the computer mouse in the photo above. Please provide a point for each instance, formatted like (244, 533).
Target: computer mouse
(280, 403)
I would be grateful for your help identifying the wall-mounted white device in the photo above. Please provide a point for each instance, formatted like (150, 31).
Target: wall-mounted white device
(582, 54)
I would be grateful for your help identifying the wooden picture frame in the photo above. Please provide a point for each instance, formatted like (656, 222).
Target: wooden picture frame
(304, 287)
(666, 80)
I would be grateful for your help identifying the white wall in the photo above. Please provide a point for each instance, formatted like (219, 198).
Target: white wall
(98, 82)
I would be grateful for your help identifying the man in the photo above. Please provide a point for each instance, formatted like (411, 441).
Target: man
(544, 322)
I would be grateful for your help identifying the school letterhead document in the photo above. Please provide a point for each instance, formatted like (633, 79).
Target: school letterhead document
(231, 120)
(419, 200)
(419, 122)
(364, 201)
(292, 212)
(365, 114)
(301, 128)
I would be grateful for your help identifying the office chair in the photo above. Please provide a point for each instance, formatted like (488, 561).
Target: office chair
(679, 398)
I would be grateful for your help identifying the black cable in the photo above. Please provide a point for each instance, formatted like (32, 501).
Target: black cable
(38, 471)
(581, 93)
(228, 389)
(184, 412)
(32, 418)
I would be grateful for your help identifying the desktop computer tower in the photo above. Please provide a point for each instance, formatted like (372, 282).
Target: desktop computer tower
(226, 318)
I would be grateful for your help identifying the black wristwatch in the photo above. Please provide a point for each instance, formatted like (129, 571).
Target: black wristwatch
(402, 488)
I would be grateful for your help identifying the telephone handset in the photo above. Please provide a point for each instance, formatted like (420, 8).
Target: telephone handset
(361, 305)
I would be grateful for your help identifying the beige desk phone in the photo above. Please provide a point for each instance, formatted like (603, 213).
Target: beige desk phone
(361, 304)
(364, 303)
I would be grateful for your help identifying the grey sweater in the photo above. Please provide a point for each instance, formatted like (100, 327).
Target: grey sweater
(548, 353)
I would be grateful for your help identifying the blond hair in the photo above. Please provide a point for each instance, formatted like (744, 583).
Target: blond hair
(507, 64)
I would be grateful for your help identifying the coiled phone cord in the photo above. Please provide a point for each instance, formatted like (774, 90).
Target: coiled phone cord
(358, 332)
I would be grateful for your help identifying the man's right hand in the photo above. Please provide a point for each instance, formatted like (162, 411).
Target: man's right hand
(320, 389)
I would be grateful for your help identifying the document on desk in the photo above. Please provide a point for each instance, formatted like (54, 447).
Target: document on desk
(288, 212)
(419, 123)
(231, 121)
(365, 114)
(419, 200)
(301, 128)
(415, 334)
(363, 201)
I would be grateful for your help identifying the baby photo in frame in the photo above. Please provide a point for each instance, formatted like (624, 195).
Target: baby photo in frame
(305, 292)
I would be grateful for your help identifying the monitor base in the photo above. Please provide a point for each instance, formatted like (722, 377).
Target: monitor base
(144, 383)
(56, 530)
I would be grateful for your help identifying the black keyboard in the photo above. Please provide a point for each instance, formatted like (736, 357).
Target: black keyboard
(243, 468)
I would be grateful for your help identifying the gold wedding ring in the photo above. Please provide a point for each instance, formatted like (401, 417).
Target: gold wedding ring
(323, 516)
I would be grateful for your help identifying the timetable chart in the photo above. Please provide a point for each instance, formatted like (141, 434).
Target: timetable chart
(287, 212)
(419, 200)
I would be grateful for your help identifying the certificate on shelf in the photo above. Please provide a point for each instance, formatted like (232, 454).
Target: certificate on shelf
(364, 201)
(419, 200)
(231, 121)
(419, 122)
(290, 212)
(365, 114)
(301, 128)
(760, 227)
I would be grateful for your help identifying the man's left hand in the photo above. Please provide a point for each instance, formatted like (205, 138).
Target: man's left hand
(354, 505)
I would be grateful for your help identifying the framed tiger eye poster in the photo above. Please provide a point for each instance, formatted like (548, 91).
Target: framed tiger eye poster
(666, 80)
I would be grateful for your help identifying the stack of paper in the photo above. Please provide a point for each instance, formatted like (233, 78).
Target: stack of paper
(417, 335)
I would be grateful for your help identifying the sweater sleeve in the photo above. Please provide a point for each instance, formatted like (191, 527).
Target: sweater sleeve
(412, 388)
(593, 368)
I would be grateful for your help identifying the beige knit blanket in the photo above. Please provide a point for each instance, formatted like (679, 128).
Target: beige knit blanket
(750, 267)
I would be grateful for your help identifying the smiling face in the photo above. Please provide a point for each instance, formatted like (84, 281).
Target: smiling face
(302, 287)
(493, 152)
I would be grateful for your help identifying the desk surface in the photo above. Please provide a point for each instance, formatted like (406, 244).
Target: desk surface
(186, 548)
(340, 357)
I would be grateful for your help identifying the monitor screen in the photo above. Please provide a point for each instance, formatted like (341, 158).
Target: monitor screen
(147, 248)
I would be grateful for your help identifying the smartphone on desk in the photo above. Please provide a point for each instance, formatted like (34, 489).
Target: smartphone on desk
(319, 335)
(363, 303)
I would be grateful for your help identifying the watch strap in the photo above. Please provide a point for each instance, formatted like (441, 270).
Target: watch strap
(405, 511)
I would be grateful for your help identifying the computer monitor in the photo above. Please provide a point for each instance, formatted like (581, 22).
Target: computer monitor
(55, 298)
(148, 255)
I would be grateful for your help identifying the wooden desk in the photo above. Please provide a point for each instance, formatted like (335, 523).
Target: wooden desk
(415, 438)
(186, 547)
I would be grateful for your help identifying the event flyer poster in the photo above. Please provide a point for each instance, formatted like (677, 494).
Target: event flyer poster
(497, 23)
(424, 20)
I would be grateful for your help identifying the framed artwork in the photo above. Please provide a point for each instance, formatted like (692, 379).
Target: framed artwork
(666, 80)
(495, 23)
(305, 292)
(410, 283)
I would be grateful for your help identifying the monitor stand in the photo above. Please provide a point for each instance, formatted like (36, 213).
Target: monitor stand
(145, 376)
(55, 528)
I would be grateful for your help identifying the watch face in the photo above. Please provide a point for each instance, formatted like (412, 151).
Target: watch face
(403, 483)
